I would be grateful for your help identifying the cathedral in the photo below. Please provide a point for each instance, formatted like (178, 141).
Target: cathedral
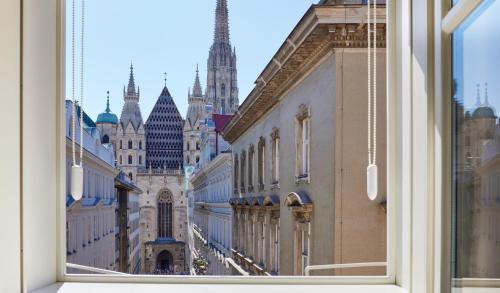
(153, 153)
(221, 92)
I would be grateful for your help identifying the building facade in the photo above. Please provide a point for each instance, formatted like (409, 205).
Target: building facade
(299, 150)
(212, 214)
(128, 248)
(90, 222)
(151, 156)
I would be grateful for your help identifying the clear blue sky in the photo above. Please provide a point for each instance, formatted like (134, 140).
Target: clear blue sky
(481, 51)
(172, 36)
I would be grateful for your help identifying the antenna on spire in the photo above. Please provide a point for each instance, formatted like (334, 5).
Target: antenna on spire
(165, 78)
(486, 102)
(478, 97)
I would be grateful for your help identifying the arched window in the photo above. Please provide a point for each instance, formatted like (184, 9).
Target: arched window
(251, 151)
(187, 146)
(187, 160)
(121, 145)
(140, 160)
(197, 159)
(130, 159)
(130, 144)
(121, 161)
(140, 144)
(197, 146)
(165, 203)
(131, 176)
(105, 139)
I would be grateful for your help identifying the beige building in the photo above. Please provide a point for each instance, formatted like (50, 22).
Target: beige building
(299, 145)
(90, 222)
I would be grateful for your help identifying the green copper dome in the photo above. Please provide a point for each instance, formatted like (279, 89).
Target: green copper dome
(107, 116)
(484, 112)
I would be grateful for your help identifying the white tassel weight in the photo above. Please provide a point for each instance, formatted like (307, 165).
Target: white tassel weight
(77, 182)
(371, 181)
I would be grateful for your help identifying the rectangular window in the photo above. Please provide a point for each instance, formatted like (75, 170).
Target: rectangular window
(307, 106)
(476, 145)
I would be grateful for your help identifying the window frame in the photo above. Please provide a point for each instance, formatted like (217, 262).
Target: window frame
(393, 247)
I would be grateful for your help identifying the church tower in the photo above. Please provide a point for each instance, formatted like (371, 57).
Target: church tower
(130, 132)
(222, 82)
(106, 123)
(196, 113)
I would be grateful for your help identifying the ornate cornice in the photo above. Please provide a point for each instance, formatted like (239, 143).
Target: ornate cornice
(323, 29)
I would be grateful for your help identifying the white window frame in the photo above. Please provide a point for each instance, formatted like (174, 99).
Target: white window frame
(414, 216)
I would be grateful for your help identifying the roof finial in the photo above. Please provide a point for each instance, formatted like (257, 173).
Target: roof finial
(478, 97)
(486, 102)
(165, 78)
(107, 103)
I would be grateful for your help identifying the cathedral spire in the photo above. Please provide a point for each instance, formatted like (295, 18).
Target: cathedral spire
(197, 91)
(131, 82)
(486, 101)
(478, 97)
(221, 34)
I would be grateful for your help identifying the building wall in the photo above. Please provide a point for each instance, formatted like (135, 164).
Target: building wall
(339, 223)
(90, 222)
(212, 215)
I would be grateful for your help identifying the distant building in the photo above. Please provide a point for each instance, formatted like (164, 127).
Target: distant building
(90, 222)
(151, 156)
(212, 214)
(299, 144)
(478, 178)
(128, 248)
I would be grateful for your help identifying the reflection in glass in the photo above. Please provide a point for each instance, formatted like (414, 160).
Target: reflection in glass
(476, 145)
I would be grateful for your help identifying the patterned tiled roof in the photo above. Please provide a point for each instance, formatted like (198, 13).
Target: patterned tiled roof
(164, 133)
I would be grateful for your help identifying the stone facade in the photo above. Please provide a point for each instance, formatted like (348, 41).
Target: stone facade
(212, 215)
(151, 155)
(299, 150)
(90, 222)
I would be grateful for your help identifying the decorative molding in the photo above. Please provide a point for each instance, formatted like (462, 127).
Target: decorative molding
(322, 30)
(304, 112)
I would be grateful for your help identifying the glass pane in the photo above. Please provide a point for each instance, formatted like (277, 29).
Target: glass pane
(169, 177)
(476, 145)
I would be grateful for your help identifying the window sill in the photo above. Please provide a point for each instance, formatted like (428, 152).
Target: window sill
(152, 288)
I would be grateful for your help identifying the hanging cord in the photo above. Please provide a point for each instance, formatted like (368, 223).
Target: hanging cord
(82, 81)
(372, 84)
(374, 143)
(73, 120)
(369, 85)
(73, 99)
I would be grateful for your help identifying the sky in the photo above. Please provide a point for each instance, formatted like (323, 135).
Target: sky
(169, 36)
(481, 61)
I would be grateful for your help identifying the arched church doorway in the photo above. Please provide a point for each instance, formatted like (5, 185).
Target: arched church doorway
(165, 263)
